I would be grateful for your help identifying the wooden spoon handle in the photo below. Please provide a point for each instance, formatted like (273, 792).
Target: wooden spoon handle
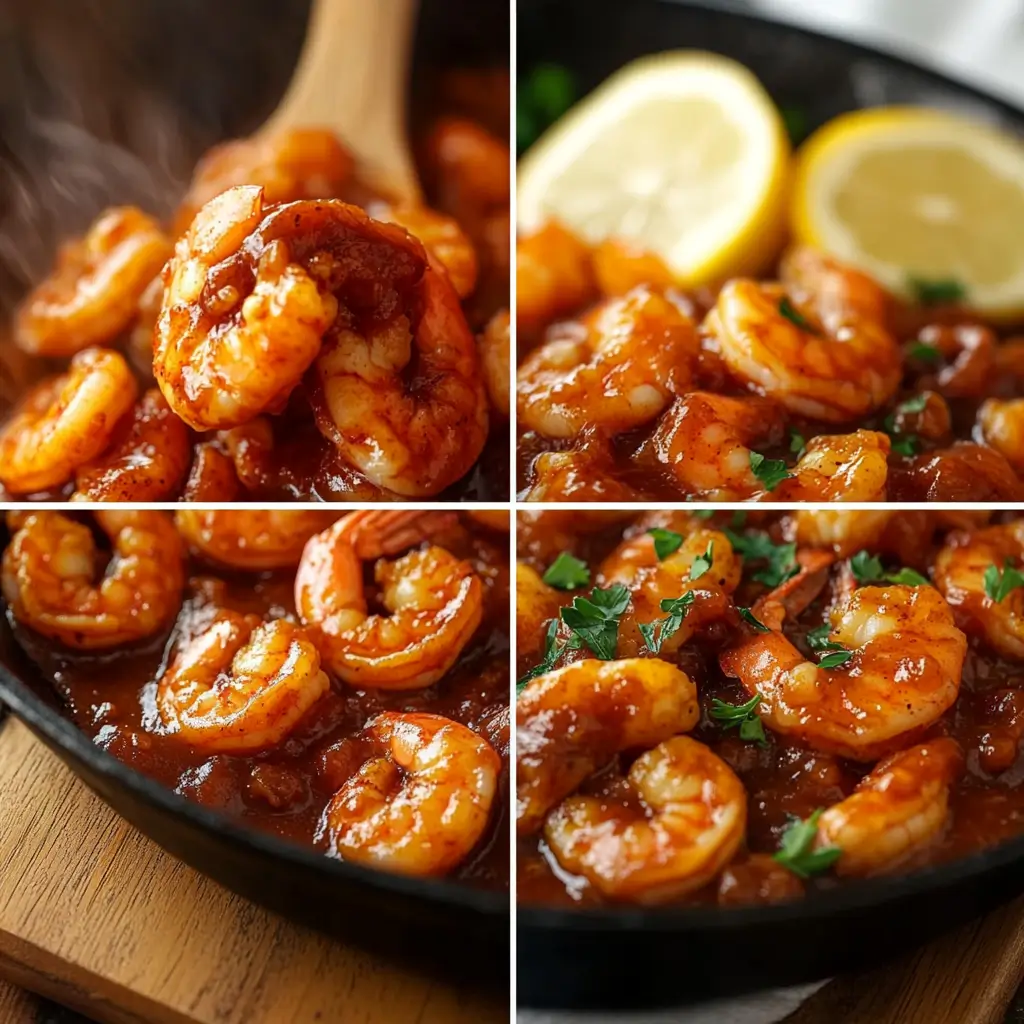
(351, 77)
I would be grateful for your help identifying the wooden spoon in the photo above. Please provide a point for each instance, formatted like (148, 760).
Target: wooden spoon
(351, 78)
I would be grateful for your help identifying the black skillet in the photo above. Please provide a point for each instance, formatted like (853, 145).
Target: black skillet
(629, 957)
(188, 73)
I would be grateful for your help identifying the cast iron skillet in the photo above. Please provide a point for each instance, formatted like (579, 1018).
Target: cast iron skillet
(629, 957)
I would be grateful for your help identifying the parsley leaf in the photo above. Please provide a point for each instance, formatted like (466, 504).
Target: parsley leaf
(818, 641)
(796, 848)
(748, 616)
(657, 632)
(934, 292)
(908, 578)
(702, 563)
(551, 652)
(868, 569)
(743, 715)
(595, 620)
(781, 558)
(999, 584)
(702, 513)
(797, 444)
(835, 660)
(739, 519)
(916, 404)
(791, 313)
(771, 472)
(666, 542)
(567, 572)
(905, 444)
(924, 353)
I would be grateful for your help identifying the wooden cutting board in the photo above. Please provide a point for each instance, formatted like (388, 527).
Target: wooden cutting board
(95, 916)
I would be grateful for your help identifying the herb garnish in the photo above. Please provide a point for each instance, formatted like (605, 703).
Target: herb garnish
(781, 558)
(905, 443)
(791, 313)
(702, 563)
(666, 542)
(748, 616)
(657, 632)
(924, 353)
(567, 572)
(771, 472)
(797, 444)
(595, 619)
(742, 715)
(938, 291)
(868, 569)
(552, 651)
(999, 584)
(796, 848)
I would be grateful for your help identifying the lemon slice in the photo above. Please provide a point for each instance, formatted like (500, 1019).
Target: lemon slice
(909, 194)
(683, 154)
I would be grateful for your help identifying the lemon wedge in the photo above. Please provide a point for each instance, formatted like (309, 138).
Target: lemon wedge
(920, 199)
(683, 154)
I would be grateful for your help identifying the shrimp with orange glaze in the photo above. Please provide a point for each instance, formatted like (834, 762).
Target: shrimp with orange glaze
(907, 655)
(554, 277)
(421, 802)
(838, 467)
(253, 539)
(536, 605)
(434, 600)
(692, 821)
(651, 581)
(1001, 425)
(50, 579)
(818, 343)
(494, 345)
(619, 370)
(573, 720)
(65, 422)
(898, 808)
(94, 291)
(239, 685)
(963, 569)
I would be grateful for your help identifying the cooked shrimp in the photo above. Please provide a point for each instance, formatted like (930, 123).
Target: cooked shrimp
(844, 532)
(705, 441)
(496, 519)
(65, 421)
(494, 346)
(300, 163)
(692, 821)
(635, 564)
(94, 290)
(960, 571)
(620, 265)
(572, 720)
(140, 340)
(832, 359)
(630, 357)
(838, 467)
(240, 321)
(970, 352)
(536, 605)
(405, 404)
(900, 806)
(962, 472)
(434, 599)
(240, 685)
(51, 584)
(212, 476)
(576, 475)
(251, 539)
(472, 164)
(441, 235)
(1001, 426)
(148, 458)
(554, 277)
(904, 673)
(421, 803)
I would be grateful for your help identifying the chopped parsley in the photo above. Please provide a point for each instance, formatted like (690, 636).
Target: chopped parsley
(743, 715)
(793, 315)
(702, 513)
(751, 619)
(834, 654)
(771, 472)
(780, 558)
(796, 848)
(666, 542)
(868, 569)
(797, 444)
(595, 619)
(656, 633)
(702, 563)
(567, 572)
(999, 584)
(924, 353)
(905, 443)
(552, 651)
(936, 292)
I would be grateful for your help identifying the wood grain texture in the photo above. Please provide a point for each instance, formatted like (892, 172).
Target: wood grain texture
(16, 1005)
(95, 916)
(966, 977)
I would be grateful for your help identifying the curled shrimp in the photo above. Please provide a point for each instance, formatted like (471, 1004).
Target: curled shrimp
(252, 539)
(50, 580)
(65, 421)
(240, 685)
(705, 441)
(1001, 426)
(904, 673)
(693, 820)
(494, 345)
(651, 581)
(554, 277)
(536, 605)
(838, 467)
(441, 235)
(900, 806)
(406, 404)
(94, 291)
(961, 569)
(240, 321)
(842, 531)
(817, 345)
(300, 163)
(576, 475)
(435, 600)
(147, 460)
(571, 721)
(619, 371)
(420, 804)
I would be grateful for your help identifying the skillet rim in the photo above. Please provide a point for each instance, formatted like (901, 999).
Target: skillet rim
(851, 896)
